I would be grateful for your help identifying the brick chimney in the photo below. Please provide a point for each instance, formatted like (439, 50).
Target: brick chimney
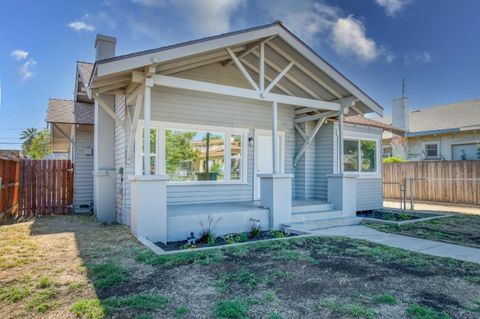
(104, 47)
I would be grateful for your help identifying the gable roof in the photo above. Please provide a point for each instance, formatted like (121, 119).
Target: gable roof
(453, 117)
(284, 39)
(361, 120)
(85, 70)
(69, 112)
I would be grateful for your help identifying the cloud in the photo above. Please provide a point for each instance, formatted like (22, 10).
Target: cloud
(19, 54)
(417, 57)
(80, 26)
(26, 70)
(208, 16)
(393, 7)
(317, 22)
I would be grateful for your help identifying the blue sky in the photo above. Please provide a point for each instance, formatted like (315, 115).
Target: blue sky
(433, 44)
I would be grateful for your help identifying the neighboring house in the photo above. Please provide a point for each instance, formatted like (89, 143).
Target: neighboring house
(14, 155)
(442, 132)
(211, 107)
(71, 127)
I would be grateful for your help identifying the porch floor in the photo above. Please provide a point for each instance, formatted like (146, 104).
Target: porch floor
(228, 207)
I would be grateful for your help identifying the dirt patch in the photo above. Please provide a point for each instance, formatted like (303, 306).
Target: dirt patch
(293, 278)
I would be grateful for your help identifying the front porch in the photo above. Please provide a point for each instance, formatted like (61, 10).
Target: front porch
(235, 217)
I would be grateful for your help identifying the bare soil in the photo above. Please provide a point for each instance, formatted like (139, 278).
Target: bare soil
(290, 278)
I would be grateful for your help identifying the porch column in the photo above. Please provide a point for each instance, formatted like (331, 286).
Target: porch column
(274, 138)
(276, 195)
(340, 142)
(146, 115)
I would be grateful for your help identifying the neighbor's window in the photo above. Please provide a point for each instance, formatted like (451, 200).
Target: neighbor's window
(431, 150)
(153, 151)
(360, 156)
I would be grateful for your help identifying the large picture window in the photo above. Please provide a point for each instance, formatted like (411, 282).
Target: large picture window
(360, 156)
(190, 153)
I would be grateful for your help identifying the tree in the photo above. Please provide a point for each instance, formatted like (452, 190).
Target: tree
(39, 146)
(178, 149)
(27, 136)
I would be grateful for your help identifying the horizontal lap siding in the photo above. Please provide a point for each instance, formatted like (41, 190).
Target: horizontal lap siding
(369, 193)
(325, 149)
(83, 166)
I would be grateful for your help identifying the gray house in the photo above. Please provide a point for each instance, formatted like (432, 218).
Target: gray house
(441, 132)
(71, 129)
(246, 126)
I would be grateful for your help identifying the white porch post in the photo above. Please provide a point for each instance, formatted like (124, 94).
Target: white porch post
(146, 132)
(274, 138)
(340, 142)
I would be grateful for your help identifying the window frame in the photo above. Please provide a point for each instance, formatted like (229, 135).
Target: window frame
(356, 136)
(425, 155)
(160, 163)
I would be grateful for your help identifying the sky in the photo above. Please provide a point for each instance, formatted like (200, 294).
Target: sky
(432, 44)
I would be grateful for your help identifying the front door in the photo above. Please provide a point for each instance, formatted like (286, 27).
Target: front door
(263, 156)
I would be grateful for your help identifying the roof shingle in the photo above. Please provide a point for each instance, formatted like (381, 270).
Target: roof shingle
(66, 111)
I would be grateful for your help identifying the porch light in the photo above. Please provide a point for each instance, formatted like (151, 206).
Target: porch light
(250, 140)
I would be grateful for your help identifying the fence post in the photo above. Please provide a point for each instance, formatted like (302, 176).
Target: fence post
(404, 182)
(411, 193)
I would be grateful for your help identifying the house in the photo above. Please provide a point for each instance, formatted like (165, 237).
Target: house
(12, 155)
(442, 132)
(71, 128)
(246, 126)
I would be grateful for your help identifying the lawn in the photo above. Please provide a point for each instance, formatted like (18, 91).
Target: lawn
(71, 266)
(458, 229)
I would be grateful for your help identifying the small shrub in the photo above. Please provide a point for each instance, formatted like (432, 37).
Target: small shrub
(421, 312)
(255, 230)
(207, 234)
(277, 234)
(385, 299)
(88, 308)
(108, 274)
(393, 159)
(231, 309)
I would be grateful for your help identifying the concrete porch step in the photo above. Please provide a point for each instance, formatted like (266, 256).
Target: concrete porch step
(316, 215)
(308, 227)
(309, 208)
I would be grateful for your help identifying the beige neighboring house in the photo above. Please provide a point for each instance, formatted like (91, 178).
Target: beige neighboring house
(442, 132)
(71, 129)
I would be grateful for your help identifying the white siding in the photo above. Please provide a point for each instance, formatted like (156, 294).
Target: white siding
(83, 166)
(369, 193)
(325, 158)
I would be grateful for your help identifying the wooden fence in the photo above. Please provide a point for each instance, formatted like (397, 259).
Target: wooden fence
(46, 187)
(9, 175)
(434, 181)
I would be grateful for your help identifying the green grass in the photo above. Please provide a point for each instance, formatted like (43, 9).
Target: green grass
(14, 294)
(275, 315)
(108, 274)
(422, 312)
(44, 282)
(201, 257)
(40, 301)
(139, 301)
(231, 309)
(88, 309)
(352, 310)
(181, 312)
(242, 276)
(473, 279)
(385, 299)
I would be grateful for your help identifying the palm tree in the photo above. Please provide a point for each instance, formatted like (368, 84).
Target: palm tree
(27, 136)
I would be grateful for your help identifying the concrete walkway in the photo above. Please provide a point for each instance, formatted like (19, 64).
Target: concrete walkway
(423, 246)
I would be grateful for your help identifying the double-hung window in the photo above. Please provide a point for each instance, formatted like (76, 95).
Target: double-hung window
(189, 153)
(431, 151)
(360, 156)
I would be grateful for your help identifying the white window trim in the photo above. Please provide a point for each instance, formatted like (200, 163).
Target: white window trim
(359, 136)
(424, 150)
(160, 164)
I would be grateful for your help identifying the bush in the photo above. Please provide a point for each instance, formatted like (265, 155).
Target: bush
(394, 159)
